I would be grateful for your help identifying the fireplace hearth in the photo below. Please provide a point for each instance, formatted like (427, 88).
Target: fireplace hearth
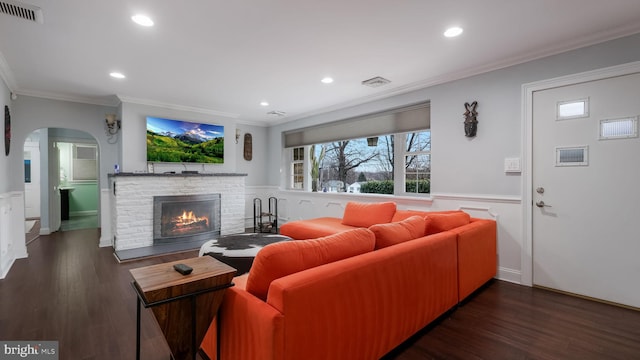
(183, 218)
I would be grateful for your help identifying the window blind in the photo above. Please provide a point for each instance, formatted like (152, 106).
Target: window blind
(406, 119)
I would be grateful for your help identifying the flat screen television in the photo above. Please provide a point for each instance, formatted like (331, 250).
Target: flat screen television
(184, 141)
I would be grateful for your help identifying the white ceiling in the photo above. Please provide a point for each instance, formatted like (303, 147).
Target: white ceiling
(225, 57)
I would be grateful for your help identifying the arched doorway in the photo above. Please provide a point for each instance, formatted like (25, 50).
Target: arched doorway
(61, 181)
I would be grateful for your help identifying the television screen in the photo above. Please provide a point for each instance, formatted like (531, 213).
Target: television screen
(183, 141)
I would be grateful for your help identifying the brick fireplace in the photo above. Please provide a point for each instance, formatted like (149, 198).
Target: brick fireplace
(132, 205)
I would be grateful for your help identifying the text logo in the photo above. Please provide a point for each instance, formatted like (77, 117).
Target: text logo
(32, 350)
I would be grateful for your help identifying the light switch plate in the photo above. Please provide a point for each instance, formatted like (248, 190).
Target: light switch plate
(512, 165)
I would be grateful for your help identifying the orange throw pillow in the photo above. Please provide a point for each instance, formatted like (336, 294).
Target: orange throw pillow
(365, 214)
(405, 214)
(398, 232)
(444, 222)
(288, 257)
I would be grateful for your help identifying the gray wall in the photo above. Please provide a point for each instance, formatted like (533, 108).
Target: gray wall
(5, 99)
(33, 113)
(134, 143)
(257, 168)
(473, 166)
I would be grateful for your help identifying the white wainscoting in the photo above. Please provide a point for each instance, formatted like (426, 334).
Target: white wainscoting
(106, 237)
(12, 234)
(506, 210)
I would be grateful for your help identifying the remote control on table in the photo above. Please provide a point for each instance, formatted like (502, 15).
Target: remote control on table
(183, 269)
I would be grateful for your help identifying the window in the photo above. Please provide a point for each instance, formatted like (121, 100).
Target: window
(84, 165)
(369, 165)
(385, 153)
(355, 165)
(78, 162)
(297, 168)
(417, 162)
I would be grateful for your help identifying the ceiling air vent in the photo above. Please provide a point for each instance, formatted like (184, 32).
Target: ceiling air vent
(376, 81)
(277, 113)
(21, 10)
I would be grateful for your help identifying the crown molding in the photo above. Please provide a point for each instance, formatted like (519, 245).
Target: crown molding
(578, 43)
(6, 74)
(254, 123)
(71, 98)
(147, 102)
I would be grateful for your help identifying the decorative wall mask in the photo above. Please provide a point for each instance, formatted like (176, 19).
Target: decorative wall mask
(7, 130)
(470, 121)
(248, 147)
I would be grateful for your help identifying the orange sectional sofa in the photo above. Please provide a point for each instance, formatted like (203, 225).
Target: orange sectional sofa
(355, 293)
(476, 238)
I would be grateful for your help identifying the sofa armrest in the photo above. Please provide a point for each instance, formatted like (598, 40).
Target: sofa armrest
(477, 259)
(249, 329)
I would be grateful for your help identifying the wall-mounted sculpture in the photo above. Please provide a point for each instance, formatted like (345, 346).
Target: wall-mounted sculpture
(7, 130)
(248, 147)
(470, 121)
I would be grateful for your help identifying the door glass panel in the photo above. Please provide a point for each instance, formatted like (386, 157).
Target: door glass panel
(618, 128)
(573, 109)
(572, 156)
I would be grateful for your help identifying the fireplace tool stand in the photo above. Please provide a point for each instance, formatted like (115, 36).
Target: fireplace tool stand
(265, 222)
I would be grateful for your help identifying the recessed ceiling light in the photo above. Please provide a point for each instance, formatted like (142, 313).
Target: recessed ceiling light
(453, 31)
(264, 103)
(327, 80)
(117, 75)
(142, 20)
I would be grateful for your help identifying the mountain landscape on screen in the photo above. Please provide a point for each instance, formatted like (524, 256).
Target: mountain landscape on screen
(183, 141)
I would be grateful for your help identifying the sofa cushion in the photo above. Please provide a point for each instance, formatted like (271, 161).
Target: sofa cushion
(367, 214)
(404, 214)
(313, 228)
(447, 221)
(284, 258)
(398, 232)
(400, 215)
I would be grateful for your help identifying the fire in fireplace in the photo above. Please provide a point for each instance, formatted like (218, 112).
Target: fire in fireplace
(186, 224)
(185, 217)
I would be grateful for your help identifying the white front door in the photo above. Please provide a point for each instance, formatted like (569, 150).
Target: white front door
(586, 189)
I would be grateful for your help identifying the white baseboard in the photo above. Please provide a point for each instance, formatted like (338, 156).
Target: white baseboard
(83, 213)
(5, 269)
(104, 241)
(509, 275)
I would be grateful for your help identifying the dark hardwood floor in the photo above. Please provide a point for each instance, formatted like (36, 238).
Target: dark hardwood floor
(71, 291)
(508, 321)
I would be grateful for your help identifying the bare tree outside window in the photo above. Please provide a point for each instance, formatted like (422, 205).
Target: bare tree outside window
(357, 165)
(343, 157)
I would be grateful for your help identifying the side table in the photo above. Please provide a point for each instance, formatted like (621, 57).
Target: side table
(182, 302)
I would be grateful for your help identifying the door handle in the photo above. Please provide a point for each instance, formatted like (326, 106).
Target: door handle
(542, 204)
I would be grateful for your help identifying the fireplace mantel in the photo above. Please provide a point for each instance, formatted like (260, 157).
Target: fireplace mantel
(131, 200)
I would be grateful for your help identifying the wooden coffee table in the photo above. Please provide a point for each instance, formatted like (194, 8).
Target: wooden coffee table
(182, 302)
